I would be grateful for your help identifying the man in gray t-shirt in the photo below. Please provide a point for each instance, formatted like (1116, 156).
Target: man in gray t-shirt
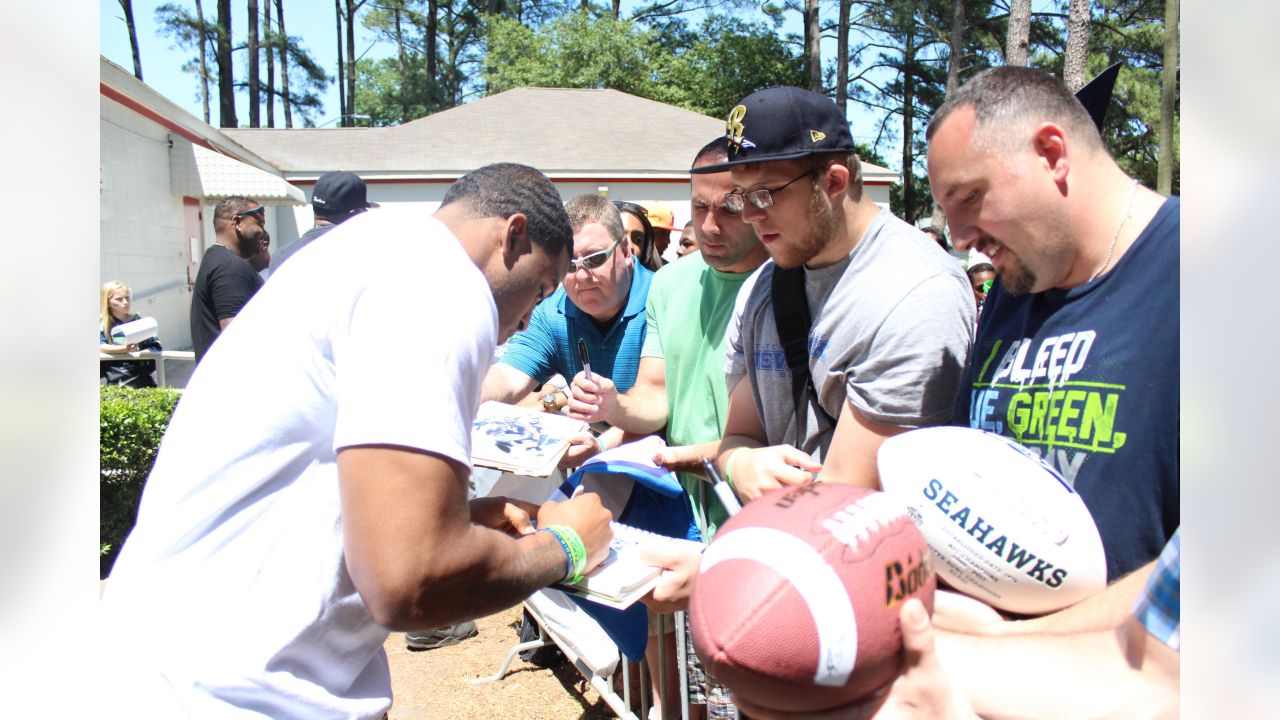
(892, 318)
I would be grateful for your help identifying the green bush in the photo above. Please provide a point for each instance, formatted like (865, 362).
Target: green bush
(131, 424)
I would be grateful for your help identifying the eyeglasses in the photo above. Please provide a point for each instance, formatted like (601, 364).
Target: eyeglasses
(260, 210)
(592, 261)
(762, 198)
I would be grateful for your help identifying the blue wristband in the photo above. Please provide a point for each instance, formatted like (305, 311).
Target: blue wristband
(568, 556)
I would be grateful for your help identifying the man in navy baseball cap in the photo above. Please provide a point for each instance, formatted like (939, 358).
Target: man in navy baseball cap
(337, 197)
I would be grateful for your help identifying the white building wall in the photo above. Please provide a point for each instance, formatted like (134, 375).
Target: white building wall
(142, 243)
(879, 194)
(143, 240)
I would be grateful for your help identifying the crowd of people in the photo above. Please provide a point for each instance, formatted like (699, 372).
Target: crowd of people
(302, 509)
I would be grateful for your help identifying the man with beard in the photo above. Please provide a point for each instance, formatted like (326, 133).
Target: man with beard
(1077, 354)
(891, 317)
(680, 383)
(226, 281)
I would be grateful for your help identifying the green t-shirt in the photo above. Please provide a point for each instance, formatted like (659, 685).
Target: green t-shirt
(689, 307)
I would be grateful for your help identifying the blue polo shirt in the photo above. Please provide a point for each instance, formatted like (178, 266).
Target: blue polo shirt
(550, 344)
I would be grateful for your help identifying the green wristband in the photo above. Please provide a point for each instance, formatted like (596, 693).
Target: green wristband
(573, 546)
(728, 471)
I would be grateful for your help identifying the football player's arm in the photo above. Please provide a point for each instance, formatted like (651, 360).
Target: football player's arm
(851, 459)
(750, 467)
(505, 383)
(417, 558)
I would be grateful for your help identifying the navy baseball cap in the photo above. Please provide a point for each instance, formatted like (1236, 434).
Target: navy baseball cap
(783, 123)
(340, 193)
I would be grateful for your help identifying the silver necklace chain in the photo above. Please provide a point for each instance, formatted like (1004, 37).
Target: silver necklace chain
(1123, 220)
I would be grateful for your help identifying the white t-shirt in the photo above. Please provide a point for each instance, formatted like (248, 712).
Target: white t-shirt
(232, 589)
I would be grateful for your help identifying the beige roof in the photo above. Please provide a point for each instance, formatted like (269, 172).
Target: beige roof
(200, 172)
(562, 132)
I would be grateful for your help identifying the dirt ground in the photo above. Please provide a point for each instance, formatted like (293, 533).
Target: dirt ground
(436, 684)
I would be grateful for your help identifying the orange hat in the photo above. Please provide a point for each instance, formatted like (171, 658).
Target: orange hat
(660, 216)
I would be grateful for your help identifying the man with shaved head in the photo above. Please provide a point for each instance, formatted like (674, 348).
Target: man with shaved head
(1076, 354)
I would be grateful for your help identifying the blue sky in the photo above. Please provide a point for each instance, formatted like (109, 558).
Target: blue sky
(314, 22)
(162, 64)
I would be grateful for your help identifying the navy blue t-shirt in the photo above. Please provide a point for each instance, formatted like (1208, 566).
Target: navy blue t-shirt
(1088, 378)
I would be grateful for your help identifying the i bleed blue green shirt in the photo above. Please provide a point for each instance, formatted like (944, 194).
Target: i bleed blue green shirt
(549, 345)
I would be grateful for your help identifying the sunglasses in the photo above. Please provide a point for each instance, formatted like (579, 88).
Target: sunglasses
(986, 285)
(260, 210)
(592, 261)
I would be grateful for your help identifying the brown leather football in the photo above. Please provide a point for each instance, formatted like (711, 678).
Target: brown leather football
(796, 603)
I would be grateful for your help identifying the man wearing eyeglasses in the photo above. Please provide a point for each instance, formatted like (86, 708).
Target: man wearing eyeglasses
(601, 302)
(226, 280)
(891, 317)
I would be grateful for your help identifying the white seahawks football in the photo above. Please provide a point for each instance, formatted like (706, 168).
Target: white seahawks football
(1003, 526)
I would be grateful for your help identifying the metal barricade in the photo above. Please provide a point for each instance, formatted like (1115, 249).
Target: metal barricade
(159, 357)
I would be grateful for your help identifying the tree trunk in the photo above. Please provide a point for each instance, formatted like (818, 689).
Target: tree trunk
(617, 8)
(351, 65)
(908, 129)
(204, 62)
(284, 65)
(342, 69)
(1015, 51)
(433, 30)
(813, 44)
(939, 219)
(404, 81)
(842, 56)
(226, 90)
(127, 7)
(957, 47)
(1077, 45)
(1168, 98)
(255, 92)
(269, 38)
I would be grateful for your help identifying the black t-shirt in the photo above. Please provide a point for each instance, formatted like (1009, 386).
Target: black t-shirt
(224, 284)
(1088, 378)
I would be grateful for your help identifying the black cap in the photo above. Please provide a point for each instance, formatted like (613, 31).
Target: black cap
(340, 193)
(1095, 96)
(783, 123)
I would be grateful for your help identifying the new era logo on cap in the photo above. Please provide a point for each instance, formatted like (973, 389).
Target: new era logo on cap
(783, 123)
